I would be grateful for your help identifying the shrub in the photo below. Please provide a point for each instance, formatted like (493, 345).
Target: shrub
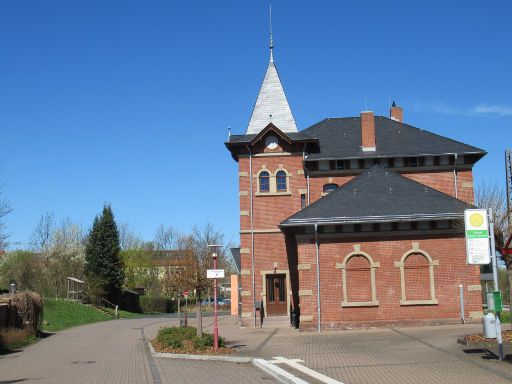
(13, 337)
(174, 337)
(29, 308)
(157, 304)
(206, 341)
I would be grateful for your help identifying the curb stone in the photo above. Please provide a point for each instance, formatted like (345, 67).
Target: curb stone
(184, 356)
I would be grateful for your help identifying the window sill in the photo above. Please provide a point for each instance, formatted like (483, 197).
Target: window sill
(419, 302)
(360, 304)
(273, 194)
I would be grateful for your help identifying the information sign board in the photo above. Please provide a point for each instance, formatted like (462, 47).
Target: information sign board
(477, 236)
(215, 273)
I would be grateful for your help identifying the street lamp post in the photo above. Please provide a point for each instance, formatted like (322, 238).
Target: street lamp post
(215, 315)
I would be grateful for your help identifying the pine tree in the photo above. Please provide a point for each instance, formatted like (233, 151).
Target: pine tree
(102, 254)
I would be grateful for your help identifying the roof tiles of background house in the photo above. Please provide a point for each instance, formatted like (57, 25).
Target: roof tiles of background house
(341, 138)
(379, 195)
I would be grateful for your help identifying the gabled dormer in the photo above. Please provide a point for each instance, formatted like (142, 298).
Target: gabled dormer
(270, 141)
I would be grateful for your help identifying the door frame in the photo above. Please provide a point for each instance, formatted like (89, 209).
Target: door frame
(264, 285)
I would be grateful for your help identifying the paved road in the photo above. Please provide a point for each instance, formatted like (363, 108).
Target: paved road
(113, 352)
(116, 352)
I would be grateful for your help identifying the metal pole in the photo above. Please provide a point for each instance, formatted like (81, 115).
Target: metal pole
(495, 278)
(461, 288)
(215, 325)
(317, 278)
(186, 311)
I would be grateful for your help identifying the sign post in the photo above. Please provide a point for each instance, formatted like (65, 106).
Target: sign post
(481, 249)
(185, 293)
(214, 274)
(477, 236)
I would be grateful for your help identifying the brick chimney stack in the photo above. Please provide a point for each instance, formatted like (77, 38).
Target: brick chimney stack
(396, 113)
(368, 131)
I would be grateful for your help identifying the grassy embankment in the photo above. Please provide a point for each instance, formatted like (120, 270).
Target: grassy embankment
(62, 314)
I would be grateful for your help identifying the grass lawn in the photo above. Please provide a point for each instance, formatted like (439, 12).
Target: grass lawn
(61, 314)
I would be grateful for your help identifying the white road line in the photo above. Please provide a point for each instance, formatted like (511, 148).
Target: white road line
(308, 371)
(280, 374)
(282, 362)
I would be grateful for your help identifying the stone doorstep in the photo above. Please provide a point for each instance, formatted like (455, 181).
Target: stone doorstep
(184, 356)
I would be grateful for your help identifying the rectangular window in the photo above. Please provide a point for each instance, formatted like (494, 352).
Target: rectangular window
(302, 200)
(340, 165)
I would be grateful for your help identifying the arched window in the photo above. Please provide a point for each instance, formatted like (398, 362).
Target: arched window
(281, 181)
(264, 181)
(358, 274)
(417, 277)
(329, 187)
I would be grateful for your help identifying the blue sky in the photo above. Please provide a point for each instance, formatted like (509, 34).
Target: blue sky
(129, 102)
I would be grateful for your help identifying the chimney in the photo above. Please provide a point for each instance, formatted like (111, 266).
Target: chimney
(396, 113)
(368, 131)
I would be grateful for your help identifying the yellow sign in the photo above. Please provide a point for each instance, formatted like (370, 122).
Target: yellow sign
(476, 219)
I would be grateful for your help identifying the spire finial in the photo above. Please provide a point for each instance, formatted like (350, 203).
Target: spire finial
(271, 45)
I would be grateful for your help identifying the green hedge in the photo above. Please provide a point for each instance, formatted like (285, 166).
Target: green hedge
(174, 337)
(162, 304)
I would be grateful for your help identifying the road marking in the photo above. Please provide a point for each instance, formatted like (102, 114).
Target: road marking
(308, 371)
(280, 374)
(282, 362)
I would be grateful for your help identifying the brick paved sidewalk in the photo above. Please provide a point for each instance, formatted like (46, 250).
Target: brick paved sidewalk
(115, 352)
(401, 355)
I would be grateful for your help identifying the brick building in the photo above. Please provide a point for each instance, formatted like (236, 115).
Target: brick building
(354, 221)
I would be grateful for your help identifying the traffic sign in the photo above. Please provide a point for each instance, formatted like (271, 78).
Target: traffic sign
(215, 273)
(185, 293)
(477, 236)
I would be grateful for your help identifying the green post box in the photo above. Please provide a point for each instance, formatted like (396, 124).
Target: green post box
(498, 303)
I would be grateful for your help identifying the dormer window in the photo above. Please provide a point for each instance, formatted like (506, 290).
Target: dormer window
(329, 187)
(281, 181)
(264, 182)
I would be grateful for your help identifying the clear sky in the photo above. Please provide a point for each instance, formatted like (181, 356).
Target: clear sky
(129, 102)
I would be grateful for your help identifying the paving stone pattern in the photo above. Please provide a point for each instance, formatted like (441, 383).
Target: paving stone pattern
(114, 352)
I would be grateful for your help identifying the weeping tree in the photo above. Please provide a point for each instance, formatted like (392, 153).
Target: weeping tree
(102, 254)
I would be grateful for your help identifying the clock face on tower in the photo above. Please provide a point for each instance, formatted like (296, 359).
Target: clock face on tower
(271, 142)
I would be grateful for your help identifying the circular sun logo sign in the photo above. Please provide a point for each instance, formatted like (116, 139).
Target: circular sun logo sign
(476, 220)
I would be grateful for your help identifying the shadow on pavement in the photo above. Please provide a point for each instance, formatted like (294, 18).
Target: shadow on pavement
(487, 354)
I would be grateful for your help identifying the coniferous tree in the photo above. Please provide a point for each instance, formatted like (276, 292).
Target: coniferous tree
(102, 254)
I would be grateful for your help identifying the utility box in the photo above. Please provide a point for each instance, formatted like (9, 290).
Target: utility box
(489, 322)
(494, 301)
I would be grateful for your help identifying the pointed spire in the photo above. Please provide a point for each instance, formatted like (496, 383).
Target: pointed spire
(271, 104)
(271, 45)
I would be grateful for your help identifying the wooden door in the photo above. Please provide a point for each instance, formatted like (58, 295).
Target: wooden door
(276, 294)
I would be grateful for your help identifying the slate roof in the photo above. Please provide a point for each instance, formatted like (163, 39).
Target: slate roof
(341, 138)
(271, 101)
(379, 195)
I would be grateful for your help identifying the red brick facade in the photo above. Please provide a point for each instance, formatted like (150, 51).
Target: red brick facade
(447, 252)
